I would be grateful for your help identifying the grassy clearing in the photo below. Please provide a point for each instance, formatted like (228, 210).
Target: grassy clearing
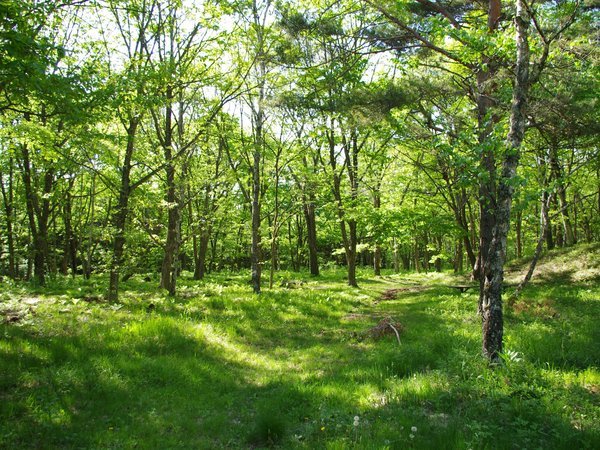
(217, 367)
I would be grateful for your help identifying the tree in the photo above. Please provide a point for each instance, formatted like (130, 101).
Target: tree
(481, 56)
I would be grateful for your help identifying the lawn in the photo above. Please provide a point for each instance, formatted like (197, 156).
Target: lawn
(303, 365)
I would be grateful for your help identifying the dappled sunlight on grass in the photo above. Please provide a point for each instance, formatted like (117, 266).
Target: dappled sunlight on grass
(217, 367)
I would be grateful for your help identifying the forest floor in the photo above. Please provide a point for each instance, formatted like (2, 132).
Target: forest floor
(309, 364)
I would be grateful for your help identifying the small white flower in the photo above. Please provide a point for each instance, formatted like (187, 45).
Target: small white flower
(356, 421)
(413, 429)
(412, 436)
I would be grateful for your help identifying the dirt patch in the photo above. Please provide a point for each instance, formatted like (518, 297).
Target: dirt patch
(18, 310)
(392, 294)
(543, 309)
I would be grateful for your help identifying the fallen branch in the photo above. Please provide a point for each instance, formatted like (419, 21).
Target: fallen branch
(395, 331)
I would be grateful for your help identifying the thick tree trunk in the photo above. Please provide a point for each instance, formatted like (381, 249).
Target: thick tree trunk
(492, 317)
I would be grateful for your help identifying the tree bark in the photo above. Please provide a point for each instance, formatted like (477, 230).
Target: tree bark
(8, 200)
(557, 173)
(311, 235)
(492, 316)
(487, 187)
(120, 216)
(169, 269)
(38, 213)
(70, 249)
(377, 252)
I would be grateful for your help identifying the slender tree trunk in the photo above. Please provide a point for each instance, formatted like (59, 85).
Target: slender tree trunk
(377, 253)
(89, 248)
(168, 278)
(417, 256)
(256, 238)
(396, 257)
(459, 257)
(120, 216)
(38, 215)
(258, 122)
(550, 237)
(69, 256)
(557, 173)
(311, 235)
(544, 219)
(8, 199)
(492, 317)
(487, 187)
(519, 234)
(438, 261)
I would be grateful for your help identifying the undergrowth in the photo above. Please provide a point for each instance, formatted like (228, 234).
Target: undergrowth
(218, 367)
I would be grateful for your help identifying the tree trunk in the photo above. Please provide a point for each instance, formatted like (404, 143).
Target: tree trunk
(487, 187)
(519, 235)
(492, 317)
(258, 117)
(396, 257)
(377, 253)
(168, 277)
(311, 235)
(557, 173)
(120, 215)
(417, 256)
(545, 203)
(255, 249)
(38, 215)
(200, 255)
(8, 200)
(459, 257)
(438, 261)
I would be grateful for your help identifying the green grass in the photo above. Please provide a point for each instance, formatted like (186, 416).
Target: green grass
(217, 367)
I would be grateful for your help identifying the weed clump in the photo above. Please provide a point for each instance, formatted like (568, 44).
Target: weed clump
(268, 430)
